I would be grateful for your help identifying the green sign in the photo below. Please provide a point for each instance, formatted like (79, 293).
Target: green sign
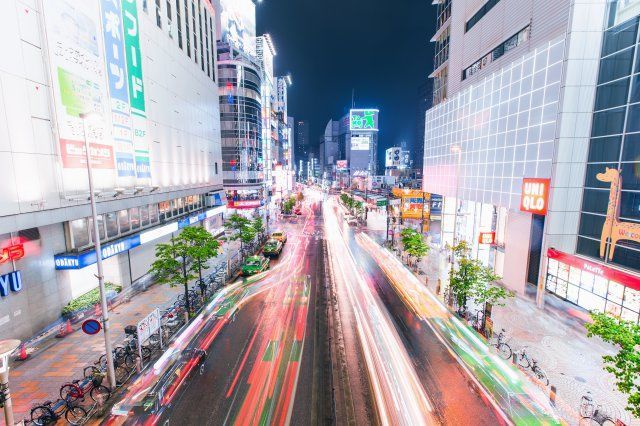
(134, 57)
(381, 203)
(363, 119)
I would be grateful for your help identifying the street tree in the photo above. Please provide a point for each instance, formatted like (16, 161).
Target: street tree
(171, 267)
(625, 365)
(203, 248)
(258, 225)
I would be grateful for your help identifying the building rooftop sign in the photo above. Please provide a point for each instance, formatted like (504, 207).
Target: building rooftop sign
(363, 120)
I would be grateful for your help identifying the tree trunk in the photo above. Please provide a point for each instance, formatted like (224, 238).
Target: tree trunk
(203, 287)
(187, 305)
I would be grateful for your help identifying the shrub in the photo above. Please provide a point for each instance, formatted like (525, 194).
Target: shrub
(88, 299)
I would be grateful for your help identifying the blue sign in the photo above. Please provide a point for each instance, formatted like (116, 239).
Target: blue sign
(81, 260)
(91, 327)
(143, 168)
(125, 164)
(114, 50)
(436, 204)
(11, 281)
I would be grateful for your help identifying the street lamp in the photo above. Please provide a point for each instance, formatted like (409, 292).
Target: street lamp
(98, 249)
(456, 149)
(6, 348)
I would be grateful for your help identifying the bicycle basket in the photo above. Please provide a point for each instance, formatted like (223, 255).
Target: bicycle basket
(131, 330)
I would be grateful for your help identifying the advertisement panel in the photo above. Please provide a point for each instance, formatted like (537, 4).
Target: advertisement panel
(238, 24)
(535, 195)
(342, 165)
(413, 202)
(77, 70)
(360, 143)
(363, 119)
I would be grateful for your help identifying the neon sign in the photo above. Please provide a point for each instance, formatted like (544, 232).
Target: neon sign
(363, 119)
(13, 252)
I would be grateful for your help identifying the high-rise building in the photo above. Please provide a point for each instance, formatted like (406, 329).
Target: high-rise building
(425, 97)
(535, 145)
(153, 137)
(302, 140)
(440, 74)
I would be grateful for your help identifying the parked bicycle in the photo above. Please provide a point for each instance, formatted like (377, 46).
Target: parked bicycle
(92, 385)
(50, 412)
(501, 345)
(527, 362)
(590, 410)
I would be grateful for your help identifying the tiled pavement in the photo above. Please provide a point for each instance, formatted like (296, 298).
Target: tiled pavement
(554, 336)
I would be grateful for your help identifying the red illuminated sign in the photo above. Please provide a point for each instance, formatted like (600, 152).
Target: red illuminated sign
(487, 238)
(598, 269)
(13, 252)
(535, 195)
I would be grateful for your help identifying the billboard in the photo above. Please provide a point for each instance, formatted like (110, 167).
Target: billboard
(342, 165)
(238, 24)
(360, 143)
(363, 119)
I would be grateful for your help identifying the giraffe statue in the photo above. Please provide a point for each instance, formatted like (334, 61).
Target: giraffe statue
(614, 229)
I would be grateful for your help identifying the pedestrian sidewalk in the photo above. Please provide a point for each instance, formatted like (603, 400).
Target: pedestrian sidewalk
(555, 336)
(40, 376)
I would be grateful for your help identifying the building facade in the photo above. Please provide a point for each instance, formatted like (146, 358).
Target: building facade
(534, 146)
(145, 98)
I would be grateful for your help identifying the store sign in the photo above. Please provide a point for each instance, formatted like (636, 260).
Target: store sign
(363, 119)
(10, 282)
(535, 195)
(360, 143)
(246, 204)
(487, 238)
(342, 165)
(436, 204)
(10, 253)
(597, 269)
(238, 24)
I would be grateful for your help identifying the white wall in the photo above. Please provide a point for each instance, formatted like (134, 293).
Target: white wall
(516, 253)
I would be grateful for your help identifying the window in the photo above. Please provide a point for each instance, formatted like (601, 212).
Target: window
(200, 33)
(144, 216)
(186, 27)
(111, 222)
(633, 120)
(444, 12)
(510, 44)
(480, 14)
(615, 66)
(169, 19)
(153, 213)
(612, 94)
(179, 23)
(193, 29)
(608, 122)
(213, 50)
(619, 37)
(206, 36)
(602, 150)
(165, 210)
(100, 229)
(134, 217)
(158, 14)
(79, 232)
(123, 221)
(631, 150)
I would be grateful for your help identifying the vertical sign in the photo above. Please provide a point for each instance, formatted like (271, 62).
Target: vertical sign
(535, 195)
(77, 74)
(136, 89)
(118, 90)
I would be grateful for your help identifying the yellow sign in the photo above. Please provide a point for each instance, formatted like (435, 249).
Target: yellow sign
(412, 203)
(614, 229)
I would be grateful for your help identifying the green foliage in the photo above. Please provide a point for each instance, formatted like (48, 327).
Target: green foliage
(235, 221)
(88, 299)
(258, 225)
(247, 234)
(470, 279)
(203, 247)
(625, 365)
(413, 243)
(287, 206)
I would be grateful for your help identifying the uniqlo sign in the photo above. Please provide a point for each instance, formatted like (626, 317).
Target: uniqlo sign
(487, 238)
(535, 195)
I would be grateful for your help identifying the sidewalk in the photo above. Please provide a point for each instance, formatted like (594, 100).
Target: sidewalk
(555, 337)
(40, 376)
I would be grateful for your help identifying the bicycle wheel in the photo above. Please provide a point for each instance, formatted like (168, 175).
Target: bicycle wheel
(75, 415)
(504, 350)
(71, 392)
(42, 415)
(100, 394)
(91, 371)
(122, 373)
(146, 353)
(523, 361)
(541, 376)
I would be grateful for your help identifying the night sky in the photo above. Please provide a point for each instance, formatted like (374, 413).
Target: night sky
(380, 48)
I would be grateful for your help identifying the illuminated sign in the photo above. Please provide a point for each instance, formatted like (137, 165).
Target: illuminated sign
(363, 119)
(13, 252)
(11, 281)
(246, 204)
(487, 238)
(535, 195)
(342, 165)
(238, 24)
(360, 143)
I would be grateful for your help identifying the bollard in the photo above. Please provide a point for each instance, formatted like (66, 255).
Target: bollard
(439, 287)
(552, 396)
(515, 358)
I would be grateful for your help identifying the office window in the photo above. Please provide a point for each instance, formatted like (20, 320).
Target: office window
(100, 229)
(200, 34)
(213, 50)
(144, 216)
(612, 94)
(620, 37)
(608, 122)
(603, 150)
(111, 222)
(206, 42)
(134, 217)
(186, 27)
(153, 213)
(79, 232)
(123, 221)
(480, 14)
(158, 14)
(615, 66)
(179, 23)
(193, 29)
(169, 19)
(631, 150)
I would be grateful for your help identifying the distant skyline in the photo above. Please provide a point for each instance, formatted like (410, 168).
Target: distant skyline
(336, 46)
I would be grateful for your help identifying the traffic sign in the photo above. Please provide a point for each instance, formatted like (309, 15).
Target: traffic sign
(91, 327)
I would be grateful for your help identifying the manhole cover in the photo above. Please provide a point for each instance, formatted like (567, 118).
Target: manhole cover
(580, 379)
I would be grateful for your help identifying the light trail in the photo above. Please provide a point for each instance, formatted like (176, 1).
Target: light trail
(514, 397)
(398, 393)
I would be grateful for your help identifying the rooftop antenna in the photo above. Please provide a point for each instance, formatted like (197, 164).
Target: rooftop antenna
(353, 98)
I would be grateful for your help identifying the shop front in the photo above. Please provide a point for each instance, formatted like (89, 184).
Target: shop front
(593, 286)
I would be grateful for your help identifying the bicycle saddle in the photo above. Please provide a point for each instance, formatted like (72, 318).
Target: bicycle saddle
(46, 403)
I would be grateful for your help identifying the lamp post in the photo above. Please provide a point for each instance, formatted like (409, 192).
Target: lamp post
(98, 249)
(6, 348)
(457, 150)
